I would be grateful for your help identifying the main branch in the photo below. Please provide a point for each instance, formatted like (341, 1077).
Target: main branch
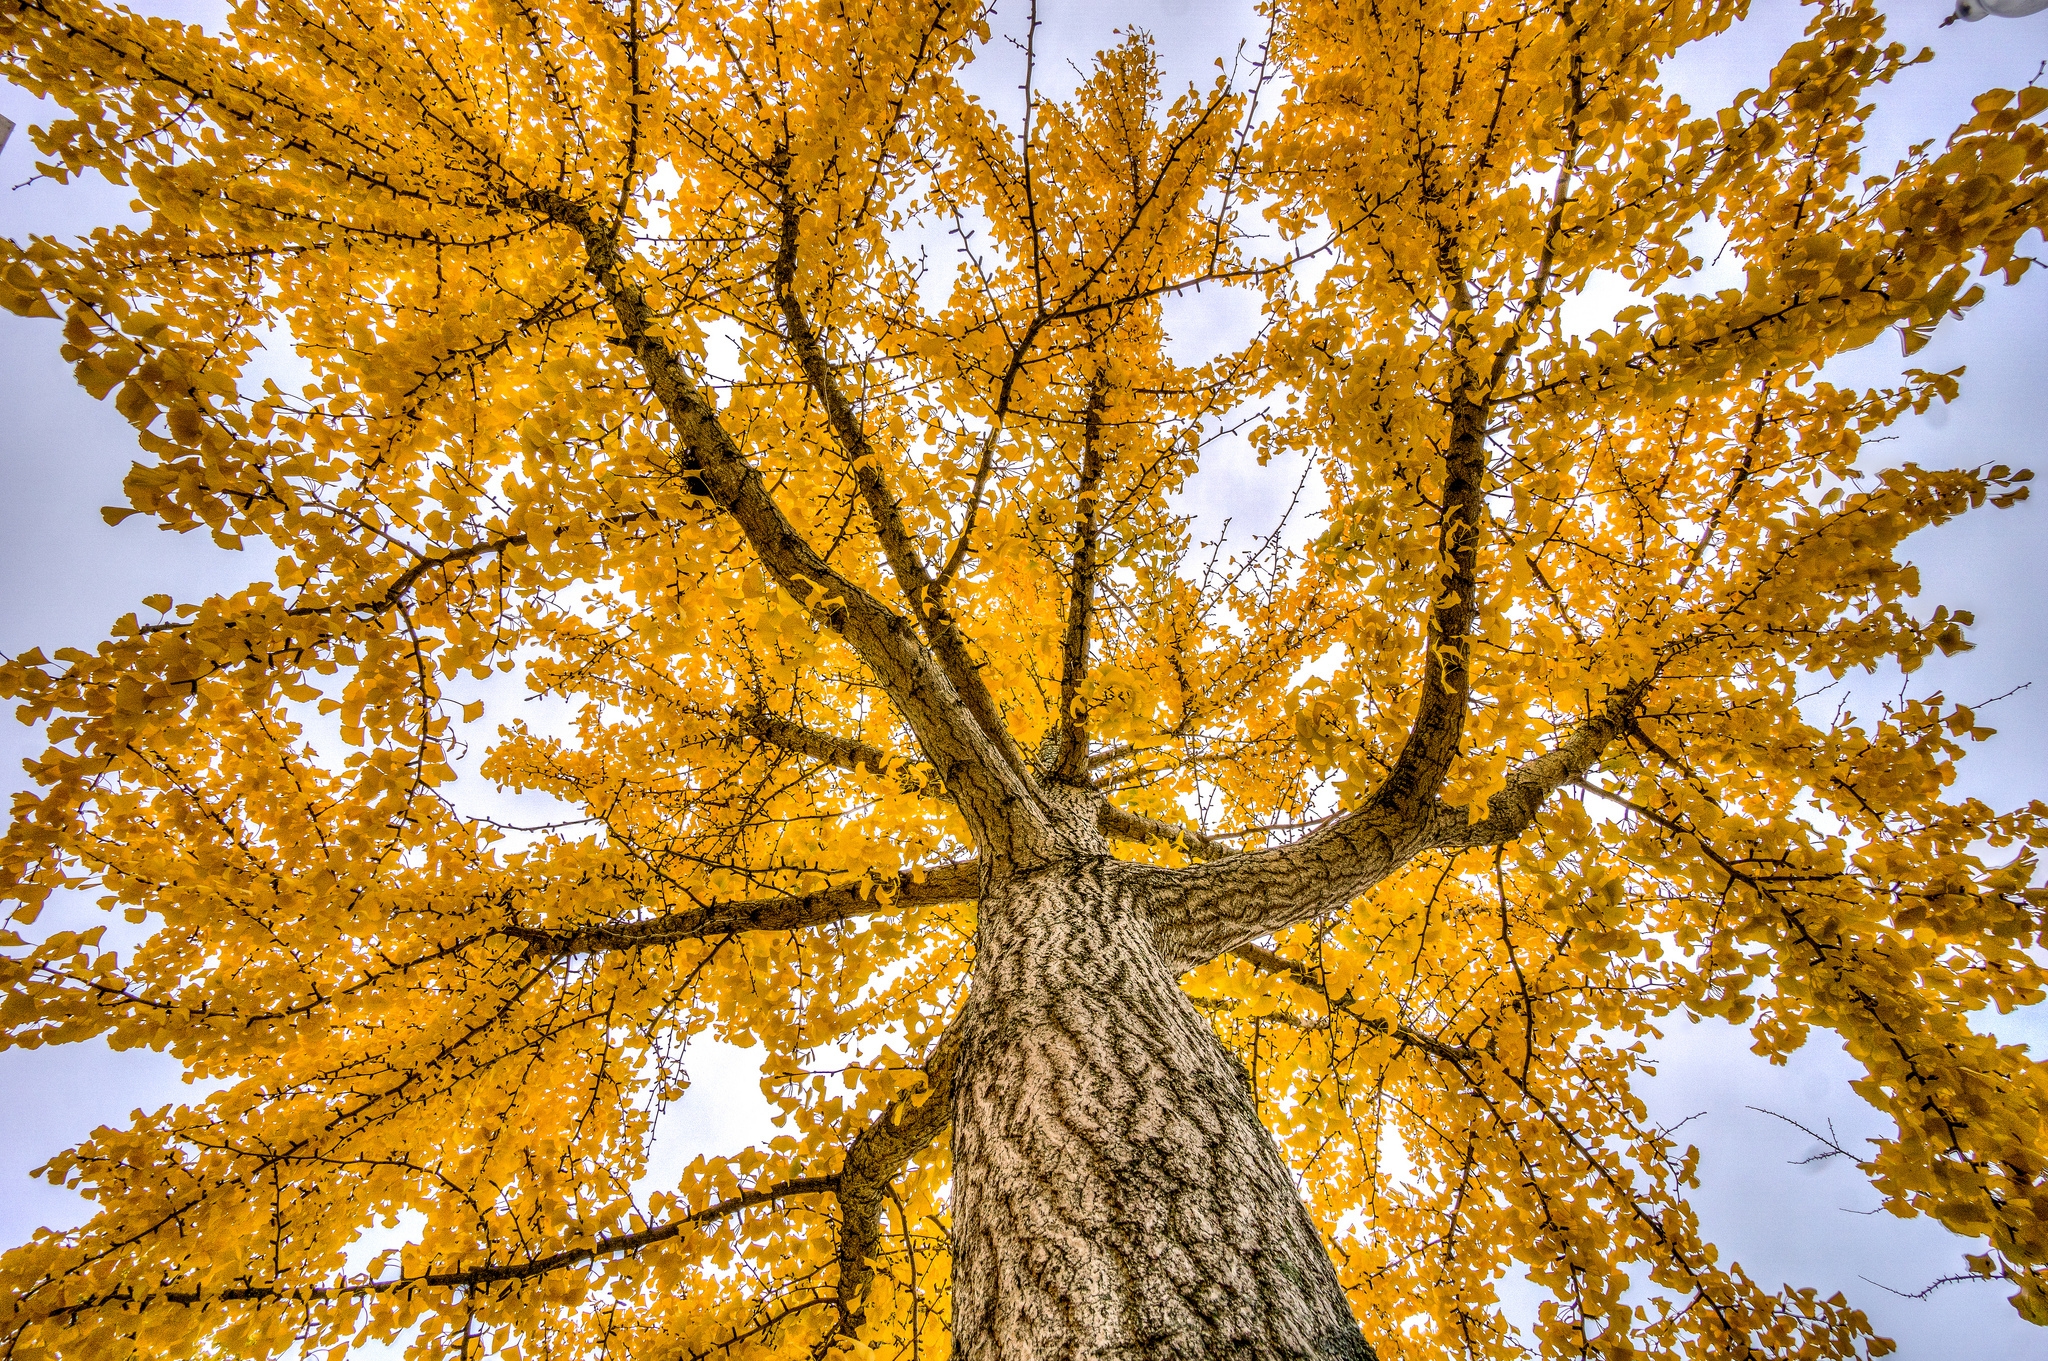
(1206, 910)
(846, 753)
(951, 883)
(920, 588)
(996, 797)
(1070, 755)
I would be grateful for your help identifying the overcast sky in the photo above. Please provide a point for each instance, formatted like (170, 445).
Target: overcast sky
(67, 575)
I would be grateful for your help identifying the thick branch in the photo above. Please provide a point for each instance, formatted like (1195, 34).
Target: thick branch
(919, 587)
(945, 884)
(467, 1278)
(1128, 826)
(1510, 812)
(846, 753)
(1439, 723)
(1070, 757)
(1205, 910)
(992, 792)
(875, 1159)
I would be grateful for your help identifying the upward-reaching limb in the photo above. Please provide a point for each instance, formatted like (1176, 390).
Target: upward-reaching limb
(1235, 900)
(1446, 687)
(876, 1158)
(1447, 682)
(921, 590)
(950, 883)
(993, 793)
(1205, 910)
(1070, 756)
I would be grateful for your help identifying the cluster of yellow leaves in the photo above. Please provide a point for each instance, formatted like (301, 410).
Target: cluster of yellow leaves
(345, 337)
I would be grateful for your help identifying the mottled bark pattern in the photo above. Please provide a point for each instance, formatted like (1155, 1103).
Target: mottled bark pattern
(1115, 1194)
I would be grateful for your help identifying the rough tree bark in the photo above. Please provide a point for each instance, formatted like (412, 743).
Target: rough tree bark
(1115, 1193)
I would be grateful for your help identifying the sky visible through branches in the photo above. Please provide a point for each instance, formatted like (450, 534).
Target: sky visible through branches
(1767, 1199)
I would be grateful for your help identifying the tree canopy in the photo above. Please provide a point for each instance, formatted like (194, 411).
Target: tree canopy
(818, 432)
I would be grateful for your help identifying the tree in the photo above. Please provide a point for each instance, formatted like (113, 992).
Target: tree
(1156, 947)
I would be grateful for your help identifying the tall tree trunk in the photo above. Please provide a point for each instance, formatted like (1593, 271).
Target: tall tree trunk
(1115, 1194)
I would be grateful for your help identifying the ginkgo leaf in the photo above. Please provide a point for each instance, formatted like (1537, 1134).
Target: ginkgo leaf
(1143, 933)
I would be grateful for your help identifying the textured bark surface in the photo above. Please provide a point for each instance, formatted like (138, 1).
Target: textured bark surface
(1115, 1194)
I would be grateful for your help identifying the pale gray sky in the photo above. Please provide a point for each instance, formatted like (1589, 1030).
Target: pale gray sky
(67, 575)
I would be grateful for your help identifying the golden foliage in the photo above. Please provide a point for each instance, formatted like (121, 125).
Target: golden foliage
(440, 220)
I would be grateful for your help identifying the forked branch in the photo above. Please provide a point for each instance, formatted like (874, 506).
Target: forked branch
(847, 753)
(921, 590)
(1206, 910)
(1513, 810)
(1070, 755)
(992, 791)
